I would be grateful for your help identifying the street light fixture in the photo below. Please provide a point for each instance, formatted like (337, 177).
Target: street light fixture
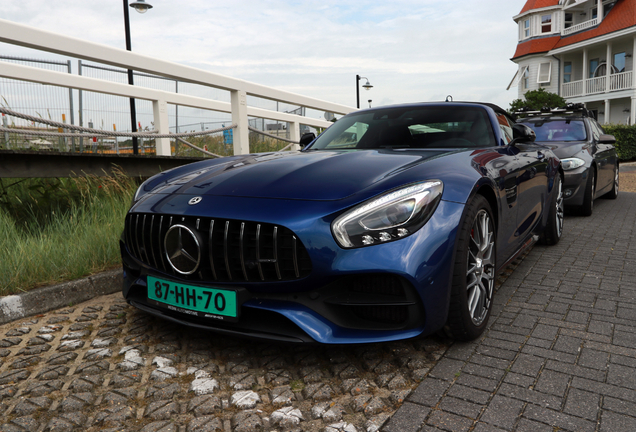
(366, 86)
(140, 6)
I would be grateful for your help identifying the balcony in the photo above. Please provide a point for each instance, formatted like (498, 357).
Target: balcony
(619, 81)
(580, 27)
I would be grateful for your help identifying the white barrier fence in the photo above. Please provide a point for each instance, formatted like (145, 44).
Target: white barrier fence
(21, 35)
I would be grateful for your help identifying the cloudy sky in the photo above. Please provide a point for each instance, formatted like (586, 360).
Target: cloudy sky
(411, 50)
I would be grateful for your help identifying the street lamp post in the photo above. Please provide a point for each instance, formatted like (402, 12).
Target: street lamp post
(140, 6)
(366, 86)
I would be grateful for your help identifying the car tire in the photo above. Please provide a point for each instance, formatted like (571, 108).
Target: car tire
(474, 272)
(588, 200)
(613, 193)
(554, 227)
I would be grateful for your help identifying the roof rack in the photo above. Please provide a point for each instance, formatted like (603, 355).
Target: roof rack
(570, 108)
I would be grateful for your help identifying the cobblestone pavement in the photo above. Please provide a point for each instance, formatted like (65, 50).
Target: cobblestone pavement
(103, 365)
(560, 351)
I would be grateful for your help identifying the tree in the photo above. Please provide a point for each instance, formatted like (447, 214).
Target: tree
(537, 99)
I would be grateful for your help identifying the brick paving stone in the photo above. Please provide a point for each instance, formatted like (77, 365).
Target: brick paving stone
(582, 404)
(503, 412)
(621, 376)
(617, 422)
(449, 422)
(527, 394)
(558, 419)
(526, 425)
(461, 407)
(578, 371)
(407, 419)
(430, 394)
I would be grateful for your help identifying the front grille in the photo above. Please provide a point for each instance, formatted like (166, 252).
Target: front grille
(230, 250)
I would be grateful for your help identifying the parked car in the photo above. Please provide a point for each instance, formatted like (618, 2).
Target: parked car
(587, 154)
(391, 224)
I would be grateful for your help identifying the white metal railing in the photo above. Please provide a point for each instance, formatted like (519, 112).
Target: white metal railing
(621, 81)
(21, 35)
(580, 27)
(595, 85)
(574, 88)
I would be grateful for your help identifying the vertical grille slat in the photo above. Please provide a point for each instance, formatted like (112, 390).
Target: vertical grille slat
(276, 253)
(242, 250)
(161, 246)
(258, 251)
(295, 257)
(137, 234)
(143, 238)
(211, 249)
(236, 251)
(129, 231)
(225, 249)
(152, 248)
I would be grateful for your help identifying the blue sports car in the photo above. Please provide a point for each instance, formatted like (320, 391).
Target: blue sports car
(392, 224)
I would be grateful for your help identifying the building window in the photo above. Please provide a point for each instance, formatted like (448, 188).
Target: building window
(526, 28)
(526, 79)
(593, 65)
(545, 70)
(568, 20)
(567, 72)
(619, 61)
(546, 23)
(594, 13)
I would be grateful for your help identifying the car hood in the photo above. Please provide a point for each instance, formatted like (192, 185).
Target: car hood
(567, 149)
(310, 175)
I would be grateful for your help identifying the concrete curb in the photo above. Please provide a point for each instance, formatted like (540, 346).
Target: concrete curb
(41, 300)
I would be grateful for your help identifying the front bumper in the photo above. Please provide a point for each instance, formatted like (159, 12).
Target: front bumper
(380, 293)
(574, 185)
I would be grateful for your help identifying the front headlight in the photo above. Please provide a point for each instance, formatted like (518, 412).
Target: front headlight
(389, 217)
(571, 163)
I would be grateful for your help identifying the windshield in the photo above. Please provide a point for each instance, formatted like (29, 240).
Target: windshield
(421, 127)
(558, 130)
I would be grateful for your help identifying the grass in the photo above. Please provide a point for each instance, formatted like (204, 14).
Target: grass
(54, 230)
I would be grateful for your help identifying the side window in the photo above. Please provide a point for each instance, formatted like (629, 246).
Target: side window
(546, 23)
(505, 127)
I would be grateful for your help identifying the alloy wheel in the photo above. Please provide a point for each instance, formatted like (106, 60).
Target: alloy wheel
(480, 274)
(560, 214)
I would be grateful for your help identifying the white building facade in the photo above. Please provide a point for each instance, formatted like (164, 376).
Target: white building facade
(582, 50)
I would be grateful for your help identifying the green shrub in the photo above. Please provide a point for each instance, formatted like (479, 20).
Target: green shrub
(625, 140)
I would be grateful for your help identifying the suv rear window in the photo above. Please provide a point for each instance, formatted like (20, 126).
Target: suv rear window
(558, 130)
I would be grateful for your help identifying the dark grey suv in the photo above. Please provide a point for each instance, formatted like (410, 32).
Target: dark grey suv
(587, 154)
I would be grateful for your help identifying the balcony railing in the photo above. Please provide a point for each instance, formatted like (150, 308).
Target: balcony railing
(619, 81)
(595, 85)
(580, 27)
(574, 88)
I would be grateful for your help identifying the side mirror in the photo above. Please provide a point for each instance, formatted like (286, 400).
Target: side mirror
(607, 139)
(522, 133)
(306, 139)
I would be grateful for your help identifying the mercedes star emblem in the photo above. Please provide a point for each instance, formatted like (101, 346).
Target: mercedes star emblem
(195, 200)
(182, 249)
